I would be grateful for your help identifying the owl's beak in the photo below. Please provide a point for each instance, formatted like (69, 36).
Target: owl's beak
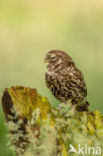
(46, 60)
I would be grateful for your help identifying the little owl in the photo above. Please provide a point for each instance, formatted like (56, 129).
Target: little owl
(65, 80)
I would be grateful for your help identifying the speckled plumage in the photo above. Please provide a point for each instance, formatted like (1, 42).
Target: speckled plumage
(64, 79)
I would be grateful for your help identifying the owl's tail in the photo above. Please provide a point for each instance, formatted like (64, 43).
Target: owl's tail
(83, 107)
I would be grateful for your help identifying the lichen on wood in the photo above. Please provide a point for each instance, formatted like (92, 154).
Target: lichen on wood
(38, 129)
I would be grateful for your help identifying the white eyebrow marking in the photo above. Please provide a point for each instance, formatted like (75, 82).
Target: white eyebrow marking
(53, 55)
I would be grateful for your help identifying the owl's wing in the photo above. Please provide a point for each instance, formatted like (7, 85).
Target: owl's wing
(74, 83)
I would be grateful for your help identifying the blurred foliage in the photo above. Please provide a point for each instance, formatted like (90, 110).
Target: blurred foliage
(37, 129)
(29, 29)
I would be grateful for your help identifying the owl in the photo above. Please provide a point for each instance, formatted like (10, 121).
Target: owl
(65, 80)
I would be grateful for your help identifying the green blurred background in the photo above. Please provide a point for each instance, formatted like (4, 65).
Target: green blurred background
(30, 28)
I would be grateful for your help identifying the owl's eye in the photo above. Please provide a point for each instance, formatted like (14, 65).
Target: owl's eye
(53, 57)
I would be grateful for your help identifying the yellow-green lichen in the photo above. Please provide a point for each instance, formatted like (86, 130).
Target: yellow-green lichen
(38, 129)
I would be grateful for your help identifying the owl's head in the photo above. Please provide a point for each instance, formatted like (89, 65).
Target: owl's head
(57, 59)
